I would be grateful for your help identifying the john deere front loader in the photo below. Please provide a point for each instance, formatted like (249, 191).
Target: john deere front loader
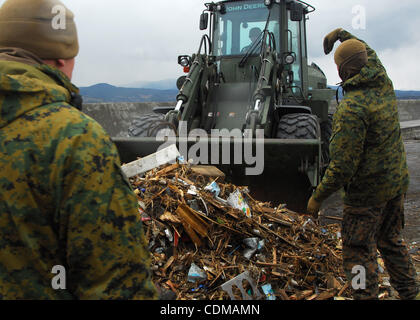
(248, 88)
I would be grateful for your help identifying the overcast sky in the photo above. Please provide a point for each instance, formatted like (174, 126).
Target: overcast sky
(126, 41)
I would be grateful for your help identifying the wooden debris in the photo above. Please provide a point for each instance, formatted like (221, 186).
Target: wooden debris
(189, 224)
(208, 171)
(192, 223)
(169, 217)
(333, 283)
(283, 295)
(346, 286)
(326, 294)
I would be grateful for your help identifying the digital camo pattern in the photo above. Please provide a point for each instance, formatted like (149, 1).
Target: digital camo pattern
(63, 200)
(366, 230)
(367, 152)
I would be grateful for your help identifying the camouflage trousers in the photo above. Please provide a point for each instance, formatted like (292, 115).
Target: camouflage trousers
(367, 230)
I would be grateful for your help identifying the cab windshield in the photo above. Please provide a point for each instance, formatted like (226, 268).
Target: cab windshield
(241, 25)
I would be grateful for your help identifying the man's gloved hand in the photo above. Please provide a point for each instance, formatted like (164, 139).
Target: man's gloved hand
(330, 39)
(313, 207)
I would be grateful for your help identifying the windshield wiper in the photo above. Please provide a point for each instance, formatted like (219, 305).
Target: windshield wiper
(253, 46)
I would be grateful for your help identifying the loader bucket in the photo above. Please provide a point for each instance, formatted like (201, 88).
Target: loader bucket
(282, 171)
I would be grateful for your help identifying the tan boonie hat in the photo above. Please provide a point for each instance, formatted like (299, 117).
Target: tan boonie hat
(347, 50)
(43, 27)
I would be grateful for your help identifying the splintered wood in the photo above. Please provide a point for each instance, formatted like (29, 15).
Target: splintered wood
(189, 223)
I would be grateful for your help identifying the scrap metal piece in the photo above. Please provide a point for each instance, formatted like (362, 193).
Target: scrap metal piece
(237, 281)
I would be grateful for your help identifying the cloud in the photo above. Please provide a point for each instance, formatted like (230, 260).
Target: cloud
(403, 66)
(129, 40)
(391, 30)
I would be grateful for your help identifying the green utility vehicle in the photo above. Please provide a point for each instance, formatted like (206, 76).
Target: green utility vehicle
(250, 76)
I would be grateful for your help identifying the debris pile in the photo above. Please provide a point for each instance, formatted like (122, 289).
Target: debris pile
(210, 240)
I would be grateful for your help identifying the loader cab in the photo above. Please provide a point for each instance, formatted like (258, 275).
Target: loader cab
(234, 25)
(241, 26)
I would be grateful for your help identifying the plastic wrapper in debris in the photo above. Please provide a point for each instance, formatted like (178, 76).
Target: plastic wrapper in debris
(254, 245)
(309, 224)
(236, 200)
(385, 282)
(381, 267)
(201, 286)
(159, 250)
(268, 291)
(248, 253)
(169, 235)
(213, 188)
(192, 191)
(195, 274)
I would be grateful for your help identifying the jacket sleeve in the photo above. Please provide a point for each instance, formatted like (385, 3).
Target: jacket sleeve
(99, 222)
(346, 149)
(373, 58)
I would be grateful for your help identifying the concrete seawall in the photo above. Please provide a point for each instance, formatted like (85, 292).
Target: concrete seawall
(116, 117)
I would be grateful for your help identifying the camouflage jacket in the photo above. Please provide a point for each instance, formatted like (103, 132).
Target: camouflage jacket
(367, 152)
(64, 200)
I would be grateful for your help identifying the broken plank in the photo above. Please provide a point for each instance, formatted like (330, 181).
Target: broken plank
(188, 216)
(168, 264)
(167, 169)
(208, 171)
(326, 295)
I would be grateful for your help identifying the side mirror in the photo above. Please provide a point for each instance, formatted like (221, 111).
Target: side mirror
(296, 11)
(204, 21)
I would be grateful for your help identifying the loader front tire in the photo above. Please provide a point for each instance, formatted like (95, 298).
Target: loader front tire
(326, 132)
(298, 126)
(148, 125)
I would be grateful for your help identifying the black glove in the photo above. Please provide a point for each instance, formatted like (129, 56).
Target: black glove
(330, 39)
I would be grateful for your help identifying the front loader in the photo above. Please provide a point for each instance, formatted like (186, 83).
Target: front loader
(249, 100)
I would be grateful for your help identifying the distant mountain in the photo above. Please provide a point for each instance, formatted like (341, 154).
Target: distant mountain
(408, 95)
(401, 94)
(104, 92)
(168, 84)
(107, 93)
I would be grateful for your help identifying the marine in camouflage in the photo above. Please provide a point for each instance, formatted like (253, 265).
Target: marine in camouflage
(63, 200)
(367, 152)
(368, 159)
(366, 230)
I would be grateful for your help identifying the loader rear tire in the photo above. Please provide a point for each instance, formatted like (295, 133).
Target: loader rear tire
(298, 126)
(147, 125)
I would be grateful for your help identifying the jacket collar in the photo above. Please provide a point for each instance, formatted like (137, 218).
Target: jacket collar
(25, 86)
(370, 76)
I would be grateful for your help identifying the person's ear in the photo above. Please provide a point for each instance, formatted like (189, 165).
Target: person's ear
(60, 63)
